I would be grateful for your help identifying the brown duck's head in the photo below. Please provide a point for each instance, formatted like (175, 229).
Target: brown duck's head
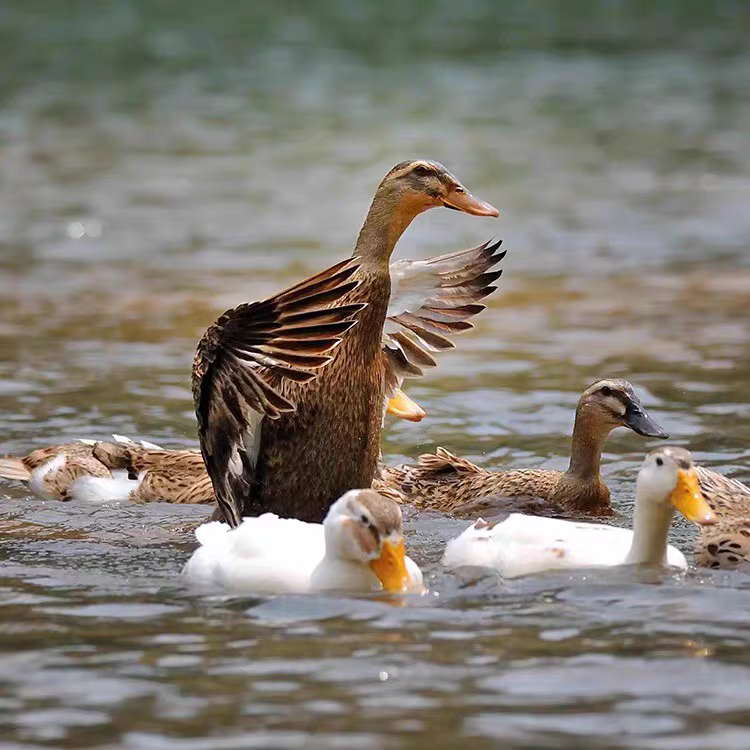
(113, 455)
(613, 403)
(421, 184)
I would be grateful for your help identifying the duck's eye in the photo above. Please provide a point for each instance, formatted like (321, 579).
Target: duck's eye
(421, 170)
(364, 519)
(605, 390)
(660, 462)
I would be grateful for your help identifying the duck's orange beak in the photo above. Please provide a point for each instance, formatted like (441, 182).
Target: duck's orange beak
(390, 567)
(688, 498)
(460, 199)
(401, 406)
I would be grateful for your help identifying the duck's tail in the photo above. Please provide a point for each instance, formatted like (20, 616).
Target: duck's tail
(14, 468)
(445, 462)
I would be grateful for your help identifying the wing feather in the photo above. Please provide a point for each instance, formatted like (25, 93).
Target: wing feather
(243, 357)
(432, 300)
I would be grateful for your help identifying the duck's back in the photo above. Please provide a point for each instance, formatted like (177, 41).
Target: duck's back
(523, 545)
(330, 444)
(447, 482)
(267, 554)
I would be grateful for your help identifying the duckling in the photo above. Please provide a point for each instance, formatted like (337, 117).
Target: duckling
(273, 442)
(358, 547)
(727, 544)
(522, 545)
(448, 483)
(50, 471)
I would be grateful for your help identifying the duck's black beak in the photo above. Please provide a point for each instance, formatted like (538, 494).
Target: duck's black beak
(639, 421)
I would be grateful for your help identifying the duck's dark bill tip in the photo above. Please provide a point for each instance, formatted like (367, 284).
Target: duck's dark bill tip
(653, 433)
(642, 424)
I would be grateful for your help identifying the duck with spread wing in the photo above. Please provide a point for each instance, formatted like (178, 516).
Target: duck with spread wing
(428, 301)
(276, 439)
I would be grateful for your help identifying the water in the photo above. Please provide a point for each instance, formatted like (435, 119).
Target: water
(161, 163)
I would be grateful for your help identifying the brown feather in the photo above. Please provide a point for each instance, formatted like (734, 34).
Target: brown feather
(726, 544)
(242, 362)
(14, 468)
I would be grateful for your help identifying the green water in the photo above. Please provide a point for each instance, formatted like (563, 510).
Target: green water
(160, 162)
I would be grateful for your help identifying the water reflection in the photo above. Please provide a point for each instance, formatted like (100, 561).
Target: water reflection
(162, 164)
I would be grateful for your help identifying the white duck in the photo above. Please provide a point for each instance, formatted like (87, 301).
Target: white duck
(522, 545)
(358, 547)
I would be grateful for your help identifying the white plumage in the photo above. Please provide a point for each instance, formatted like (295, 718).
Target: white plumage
(37, 481)
(101, 489)
(275, 555)
(522, 545)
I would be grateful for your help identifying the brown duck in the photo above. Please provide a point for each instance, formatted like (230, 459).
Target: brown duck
(50, 471)
(91, 470)
(173, 476)
(727, 544)
(448, 483)
(274, 442)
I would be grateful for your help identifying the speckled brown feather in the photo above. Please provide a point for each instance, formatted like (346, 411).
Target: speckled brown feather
(179, 483)
(452, 484)
(727, 543)
(135, 458)
(40, 456)
(57, 483)
(166, 476)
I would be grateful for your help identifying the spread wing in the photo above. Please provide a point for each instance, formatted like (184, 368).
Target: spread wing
(431, 300)
(242, 359)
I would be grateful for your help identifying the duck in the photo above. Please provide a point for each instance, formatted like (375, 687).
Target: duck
(49, 472)
(153, 474)
(358, 547)
(445, 482)
(100, 471)
(276, 440)
(727, 543)
(523, 545)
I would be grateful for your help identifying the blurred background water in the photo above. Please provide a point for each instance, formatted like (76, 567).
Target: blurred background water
(162, 161)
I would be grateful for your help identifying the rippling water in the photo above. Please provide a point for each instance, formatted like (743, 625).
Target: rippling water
(160, 164)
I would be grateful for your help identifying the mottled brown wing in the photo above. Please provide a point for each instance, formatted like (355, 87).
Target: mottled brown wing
(431, 300)
(242, 358)
(726, 545)
(728, 498)
(200, 492)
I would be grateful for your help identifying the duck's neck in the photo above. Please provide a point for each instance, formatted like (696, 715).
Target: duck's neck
(589, 436)
(386, 221)
(650, 530)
